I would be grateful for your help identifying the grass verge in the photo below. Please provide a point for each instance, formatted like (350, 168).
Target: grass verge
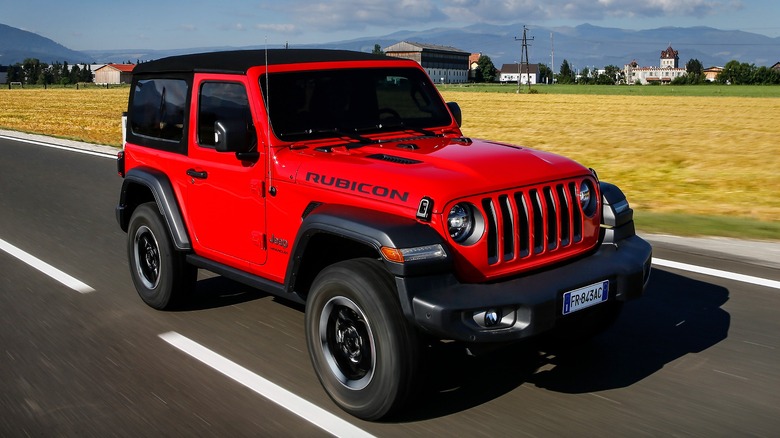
(691, 225)
(710, 90)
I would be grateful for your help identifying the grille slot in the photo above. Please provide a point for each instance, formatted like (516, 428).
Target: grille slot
(532, 222)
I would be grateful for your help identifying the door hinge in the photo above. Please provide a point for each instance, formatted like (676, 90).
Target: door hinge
(258, 239)
(257, 187)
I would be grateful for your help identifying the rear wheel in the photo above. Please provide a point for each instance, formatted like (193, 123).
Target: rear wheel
(362, 348)
(160, 273)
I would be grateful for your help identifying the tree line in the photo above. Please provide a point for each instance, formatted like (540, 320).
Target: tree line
(733, 72)
(742, 73)
(34, 72)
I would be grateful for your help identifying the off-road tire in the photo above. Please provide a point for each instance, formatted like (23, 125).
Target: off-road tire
(363, 350)
(160, 273)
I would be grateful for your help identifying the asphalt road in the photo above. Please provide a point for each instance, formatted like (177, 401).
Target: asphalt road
(698, 355)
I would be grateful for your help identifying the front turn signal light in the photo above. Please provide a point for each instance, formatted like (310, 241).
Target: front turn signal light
(402, 255)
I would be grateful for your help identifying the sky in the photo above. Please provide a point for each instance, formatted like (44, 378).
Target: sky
(177, 24)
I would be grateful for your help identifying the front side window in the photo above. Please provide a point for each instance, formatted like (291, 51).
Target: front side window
(221, 101)
(158, 109)
(326, 103)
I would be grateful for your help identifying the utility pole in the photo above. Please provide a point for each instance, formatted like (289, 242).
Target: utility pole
(524, 59)
(552, 59)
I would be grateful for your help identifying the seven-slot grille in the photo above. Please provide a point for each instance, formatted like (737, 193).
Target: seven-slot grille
(533, 222)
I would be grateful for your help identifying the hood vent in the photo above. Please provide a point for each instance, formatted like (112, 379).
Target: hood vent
(393, 159)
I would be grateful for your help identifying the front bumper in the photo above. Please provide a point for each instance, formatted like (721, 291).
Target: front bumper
(445, 308)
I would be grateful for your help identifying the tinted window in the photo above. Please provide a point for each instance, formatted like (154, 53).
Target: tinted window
(319, 103)
(221, 101)
(159, 107)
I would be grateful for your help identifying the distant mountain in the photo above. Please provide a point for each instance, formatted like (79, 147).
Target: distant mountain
(16, 45)
(592, 46)
(583, 46)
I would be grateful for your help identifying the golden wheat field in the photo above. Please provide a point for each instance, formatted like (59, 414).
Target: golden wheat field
(92, 115)
(699, 155)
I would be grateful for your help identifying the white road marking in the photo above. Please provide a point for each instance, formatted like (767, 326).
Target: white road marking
(66, 148)
(46, 268)
(718, 273)
(293, 403)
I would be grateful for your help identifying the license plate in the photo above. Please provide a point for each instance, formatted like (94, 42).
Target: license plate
(585, 297)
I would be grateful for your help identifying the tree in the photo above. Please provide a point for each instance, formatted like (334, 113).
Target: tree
(31, 67)
(15, 73)
(566, 75)
(486, 71)
(611, 75)
(584, 78)
(86, 74)
(377, 50)
(694, 67)
(545, 74)
(737, 73)
(694, 74)
(74, 74)
(767, 76)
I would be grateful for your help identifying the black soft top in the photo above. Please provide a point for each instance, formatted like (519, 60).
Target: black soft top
(239, 61)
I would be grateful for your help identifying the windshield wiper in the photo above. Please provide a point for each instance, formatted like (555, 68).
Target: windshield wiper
(352, 133)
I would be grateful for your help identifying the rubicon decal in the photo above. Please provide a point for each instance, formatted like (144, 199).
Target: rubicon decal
(357, 186)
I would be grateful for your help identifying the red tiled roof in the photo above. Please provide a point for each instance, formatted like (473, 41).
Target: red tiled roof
(126, 68)
(669, 53)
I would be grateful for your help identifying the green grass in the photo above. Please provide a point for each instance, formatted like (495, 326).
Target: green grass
(712, 90)
(681, 224)
(79, 86)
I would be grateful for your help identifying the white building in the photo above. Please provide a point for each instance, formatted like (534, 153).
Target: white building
(668, 70)
(527, 74)
(444, 64)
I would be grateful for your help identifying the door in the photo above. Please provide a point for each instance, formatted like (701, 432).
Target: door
(226, 196)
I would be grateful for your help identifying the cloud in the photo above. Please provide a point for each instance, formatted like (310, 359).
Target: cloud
(362, 14)
(278, 28)
(325, 16)
(503, 11)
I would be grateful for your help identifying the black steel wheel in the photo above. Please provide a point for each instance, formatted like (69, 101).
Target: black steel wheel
(362, 348)
(159, 272)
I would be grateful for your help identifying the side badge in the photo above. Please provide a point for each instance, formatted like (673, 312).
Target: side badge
(425, 210)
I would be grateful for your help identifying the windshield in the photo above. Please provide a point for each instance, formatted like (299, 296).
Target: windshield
(326, 103)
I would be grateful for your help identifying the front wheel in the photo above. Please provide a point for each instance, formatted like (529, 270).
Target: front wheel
(363, 350)
(160, 273)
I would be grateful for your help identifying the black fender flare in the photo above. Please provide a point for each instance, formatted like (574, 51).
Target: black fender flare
(617, 215)
(161, 188)
(370, 228)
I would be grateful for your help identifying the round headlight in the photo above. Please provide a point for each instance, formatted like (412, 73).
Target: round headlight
(587, 198)
(460, 222)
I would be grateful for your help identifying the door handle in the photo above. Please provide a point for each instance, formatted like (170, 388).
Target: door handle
(200, 174)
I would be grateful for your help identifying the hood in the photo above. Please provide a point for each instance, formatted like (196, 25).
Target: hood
(443, 169)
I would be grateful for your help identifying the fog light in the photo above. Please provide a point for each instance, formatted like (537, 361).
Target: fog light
(494, 318)
(491, 318)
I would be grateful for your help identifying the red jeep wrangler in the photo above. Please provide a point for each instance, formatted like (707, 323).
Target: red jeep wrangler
(342, 181)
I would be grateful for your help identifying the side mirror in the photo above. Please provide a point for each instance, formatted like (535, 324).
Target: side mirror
(235, 136)
(456, 113)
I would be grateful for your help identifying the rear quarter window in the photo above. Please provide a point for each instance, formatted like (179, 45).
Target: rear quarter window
(158, 112)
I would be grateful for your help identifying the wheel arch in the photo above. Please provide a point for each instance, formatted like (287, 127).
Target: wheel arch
(143, 185)
(333, 233)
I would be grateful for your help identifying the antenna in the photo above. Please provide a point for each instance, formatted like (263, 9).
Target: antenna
(269, 164)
